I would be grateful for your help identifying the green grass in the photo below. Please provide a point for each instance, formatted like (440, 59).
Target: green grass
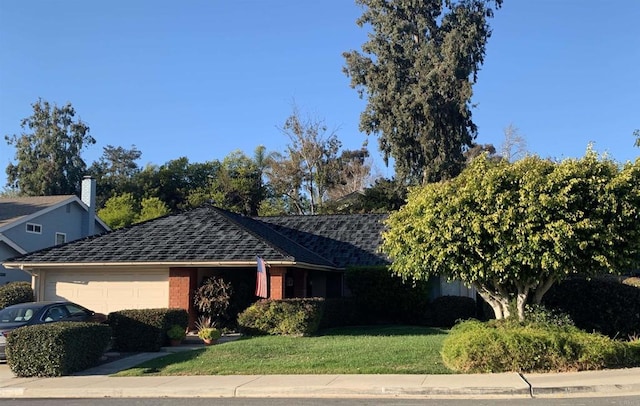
(361, 350)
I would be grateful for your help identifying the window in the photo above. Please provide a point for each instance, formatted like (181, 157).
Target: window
(61, 238)
(34, 228)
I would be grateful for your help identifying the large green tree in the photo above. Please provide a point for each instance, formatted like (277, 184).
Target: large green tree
(417, 70)
(115, 171)
(512, 230)
(238, 185)
(48, 152)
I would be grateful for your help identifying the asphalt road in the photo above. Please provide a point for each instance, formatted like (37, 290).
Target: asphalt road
(597, 401)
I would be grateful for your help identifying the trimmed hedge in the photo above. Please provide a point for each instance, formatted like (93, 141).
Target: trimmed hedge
(476, 347)
(14, 293)
(339, 312)
(447, 310)
(382, 297)
(56, 349)
(603, 305)
(297, 317)
(144, 329)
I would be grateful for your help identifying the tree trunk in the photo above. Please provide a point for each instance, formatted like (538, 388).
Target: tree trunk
(521, 300)
(499, 303)
(542, 289)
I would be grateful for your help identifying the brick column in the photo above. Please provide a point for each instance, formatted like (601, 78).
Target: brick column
(182, 285)
(276, 282)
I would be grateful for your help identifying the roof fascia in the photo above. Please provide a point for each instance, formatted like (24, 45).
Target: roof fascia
(139, 265)
(12, 244)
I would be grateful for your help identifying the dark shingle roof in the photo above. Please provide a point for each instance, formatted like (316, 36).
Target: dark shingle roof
(347, 239)
(209, 234)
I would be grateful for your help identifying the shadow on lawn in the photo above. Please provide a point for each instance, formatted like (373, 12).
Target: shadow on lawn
(386, 330)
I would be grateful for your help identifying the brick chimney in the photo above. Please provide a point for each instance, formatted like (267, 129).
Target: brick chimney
(88, 196)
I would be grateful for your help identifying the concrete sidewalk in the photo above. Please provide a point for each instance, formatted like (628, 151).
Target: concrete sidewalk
(96, 383)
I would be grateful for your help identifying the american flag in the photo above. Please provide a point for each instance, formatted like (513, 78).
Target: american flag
(261, 279)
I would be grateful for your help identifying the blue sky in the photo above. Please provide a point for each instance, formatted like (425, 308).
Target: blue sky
(202, 78)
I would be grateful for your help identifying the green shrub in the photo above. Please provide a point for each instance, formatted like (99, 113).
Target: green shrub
(144, 329)
(537, 314)
(14, 293)
(56, 349)
(339, 312)
(382, 297)
(474, 347)
(603, 305)
(447, 310)
(298, 317)
(176, 333)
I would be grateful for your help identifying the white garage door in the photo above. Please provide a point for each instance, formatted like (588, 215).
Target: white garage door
(106, 292)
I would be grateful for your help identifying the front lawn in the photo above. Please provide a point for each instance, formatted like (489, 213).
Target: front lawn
(355, 350)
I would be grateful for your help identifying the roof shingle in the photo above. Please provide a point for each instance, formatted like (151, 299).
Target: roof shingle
(210, 234)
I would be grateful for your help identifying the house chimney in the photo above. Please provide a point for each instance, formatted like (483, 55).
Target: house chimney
(88, 196)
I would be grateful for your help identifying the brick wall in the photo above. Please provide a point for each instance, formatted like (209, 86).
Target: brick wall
(182, 286)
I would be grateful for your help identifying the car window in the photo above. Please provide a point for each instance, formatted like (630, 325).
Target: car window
(75, 310)
(55, 313)
(16, 315)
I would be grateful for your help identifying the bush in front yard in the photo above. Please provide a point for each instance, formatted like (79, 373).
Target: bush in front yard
(14, 293)
(339, 312)
(144, 329)
(603, 305)
(298, 317)
(56, 349)
(475, 347)
(447, 310)
(382, 297)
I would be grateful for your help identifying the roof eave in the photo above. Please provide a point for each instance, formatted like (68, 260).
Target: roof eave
(163, 264)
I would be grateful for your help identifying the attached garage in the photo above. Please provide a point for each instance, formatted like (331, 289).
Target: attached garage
(106, 291)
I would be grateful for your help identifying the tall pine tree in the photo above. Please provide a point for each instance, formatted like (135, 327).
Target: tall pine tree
(417, 70)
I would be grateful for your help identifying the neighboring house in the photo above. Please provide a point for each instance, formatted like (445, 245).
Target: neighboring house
(29, 224)
(160, 263)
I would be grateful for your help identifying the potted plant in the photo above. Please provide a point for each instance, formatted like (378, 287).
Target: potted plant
(209, 335)
(206, 331)
(176, 334)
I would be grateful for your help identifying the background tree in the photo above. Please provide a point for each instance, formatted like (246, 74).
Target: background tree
(310, 171)
(124, 210)
(513, 230)
(151, 208)
(48, 160)
(353, 173)
(514, 146)
(238, 185)
(119, 211)
(114, 171)
(417, 71)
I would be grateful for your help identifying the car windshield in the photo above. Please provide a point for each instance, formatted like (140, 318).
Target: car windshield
(17, 314)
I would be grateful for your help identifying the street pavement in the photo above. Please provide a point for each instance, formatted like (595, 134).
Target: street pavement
(97, 383)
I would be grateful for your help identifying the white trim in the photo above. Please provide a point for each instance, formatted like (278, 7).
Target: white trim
(64, 235)
(36, 228)
(12, 244)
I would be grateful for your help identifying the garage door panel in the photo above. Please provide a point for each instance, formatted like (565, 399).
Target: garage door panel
(107, 292)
